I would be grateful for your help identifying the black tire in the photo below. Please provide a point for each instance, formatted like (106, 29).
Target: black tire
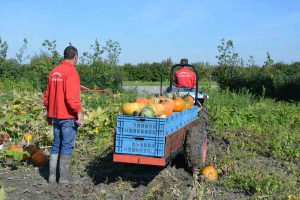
(195, 146)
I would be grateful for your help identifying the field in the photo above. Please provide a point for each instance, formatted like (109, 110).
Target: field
(253, 142)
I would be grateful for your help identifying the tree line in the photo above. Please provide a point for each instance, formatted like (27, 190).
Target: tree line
(99, 68)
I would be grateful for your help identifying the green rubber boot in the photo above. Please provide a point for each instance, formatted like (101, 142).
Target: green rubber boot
(52, 168)
(65, 169)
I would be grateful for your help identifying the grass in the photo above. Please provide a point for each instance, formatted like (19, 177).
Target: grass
(262, 151)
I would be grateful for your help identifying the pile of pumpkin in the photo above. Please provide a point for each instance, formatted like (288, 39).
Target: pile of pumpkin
(160, 106)
(35, 155)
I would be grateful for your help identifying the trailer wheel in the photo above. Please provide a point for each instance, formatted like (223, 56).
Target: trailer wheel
(195, 146)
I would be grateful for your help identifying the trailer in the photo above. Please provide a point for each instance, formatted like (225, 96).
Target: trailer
(156, 141)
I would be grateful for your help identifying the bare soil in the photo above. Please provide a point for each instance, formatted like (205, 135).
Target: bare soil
(104, 179)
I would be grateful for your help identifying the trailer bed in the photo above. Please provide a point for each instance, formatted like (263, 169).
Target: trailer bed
(173, 145)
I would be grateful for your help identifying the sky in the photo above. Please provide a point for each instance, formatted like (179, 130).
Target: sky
(154, 30)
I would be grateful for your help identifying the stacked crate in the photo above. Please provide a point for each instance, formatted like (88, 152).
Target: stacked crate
(146, 135)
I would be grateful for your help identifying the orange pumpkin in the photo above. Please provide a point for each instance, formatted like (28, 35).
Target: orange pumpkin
(158, 109)
(142, 100)
(171, 101)
(210, 173)
(4, 137)
(150, 101)
(179, 104)
(130, 108)
(39, 158)
(17, 148)
(168, 108)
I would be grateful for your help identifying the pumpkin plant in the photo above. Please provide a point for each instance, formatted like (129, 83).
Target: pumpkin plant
(15, 156)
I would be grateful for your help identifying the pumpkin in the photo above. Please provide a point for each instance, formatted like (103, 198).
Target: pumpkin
(141, 106)
(130, 108)
(28, 137)
(147, 112)
(162, 98)
(24, 158)
(170, 95)
(189, 100)
(32, 149)
(142, 100)
(17, 148)
(168, 108)
(179, 104)
(39, 158)
(150, 101)
(4, 137)
(210, 173)
(158, 109)
(186, 103)
(171, 101)
(156, 99)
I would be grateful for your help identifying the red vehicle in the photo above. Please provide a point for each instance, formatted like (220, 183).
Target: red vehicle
(186, 133)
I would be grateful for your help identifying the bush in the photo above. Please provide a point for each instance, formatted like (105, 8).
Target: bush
(35, 75)
(280, 81)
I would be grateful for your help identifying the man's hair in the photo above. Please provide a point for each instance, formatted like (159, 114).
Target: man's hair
(184, 61)
(70, 52)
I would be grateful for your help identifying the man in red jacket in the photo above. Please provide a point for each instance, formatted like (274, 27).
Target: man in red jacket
(185, 77)
(62, 100)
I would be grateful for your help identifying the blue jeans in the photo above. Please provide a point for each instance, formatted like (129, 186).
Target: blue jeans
(65, 131)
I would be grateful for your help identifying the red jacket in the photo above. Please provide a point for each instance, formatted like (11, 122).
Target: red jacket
(62, 96)
(185, 78)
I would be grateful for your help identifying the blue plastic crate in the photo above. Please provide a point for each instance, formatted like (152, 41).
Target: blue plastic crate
(140, 146)
(152, 126)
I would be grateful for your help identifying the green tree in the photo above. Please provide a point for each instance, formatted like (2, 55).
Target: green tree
(269, 61)
(51, 48)
(86, 58)
(3, 49)
(113, 50)
(228, 56)
(96, 56)
(20, 55)
(251, 61)
(242, 63)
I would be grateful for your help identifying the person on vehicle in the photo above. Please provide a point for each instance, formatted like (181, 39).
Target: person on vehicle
(64, 111)
(185, 77)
